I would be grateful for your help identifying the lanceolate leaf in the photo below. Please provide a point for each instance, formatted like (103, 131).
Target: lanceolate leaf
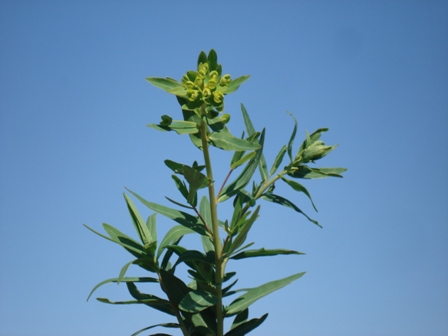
(263, 253)
(246, 327)
(287, 203)
(196, 179)
(197, 300)
(298, 187)
(315, 173)
(278, 160)
(150, 300)
(167, 84)
(242, 234)
(139, 224)
(171, 236)
(229, 142)
(254, 294)
(127, 242)
(293, 135)
(181, 217)
(116, 280)
(165, 325)
(233, 85)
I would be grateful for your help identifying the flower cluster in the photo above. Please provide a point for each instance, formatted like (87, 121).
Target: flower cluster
(205, 86)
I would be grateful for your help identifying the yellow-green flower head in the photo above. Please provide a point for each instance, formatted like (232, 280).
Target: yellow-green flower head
(218, 97)
(214, 75)
(193, 95)
(225, 80)
(203, 69)
(206, 92)
(189, 85)
(199, 82)
(211, 84)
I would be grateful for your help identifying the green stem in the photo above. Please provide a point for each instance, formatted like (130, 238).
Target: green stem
(215, 227)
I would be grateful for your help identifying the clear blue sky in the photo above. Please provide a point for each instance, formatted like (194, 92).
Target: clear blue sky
(73, 108)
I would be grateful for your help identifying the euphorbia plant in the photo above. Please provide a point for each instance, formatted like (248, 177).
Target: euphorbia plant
(200, 305)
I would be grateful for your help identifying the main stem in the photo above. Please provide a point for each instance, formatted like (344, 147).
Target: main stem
(216, 239)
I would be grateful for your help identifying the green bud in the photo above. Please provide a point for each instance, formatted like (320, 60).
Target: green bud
(203, 69)
(214, 75)
(317, 150)
(225, 80)
(189, 85)
(212, 84)
(218, 97)
(193, 95)
(206, 92)
(199, 82)
(166, 120)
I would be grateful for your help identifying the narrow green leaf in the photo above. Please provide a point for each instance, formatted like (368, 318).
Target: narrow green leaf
(169, 85)
(240, 318)
(179, 204)
(165, 325)
(287, 203)
(152, 226)
(263, 253)
(150, 300)
(197, 300)
(139, 224)
(229, 142)
(178, 216)
(233, 85)
(246, 327)
(242, 160)
(175, 288)
(293, 135)
(306, 172)
(171, 236)
(243, 179)
(242, 234)
(278, 160)
(123, 271)
(180, 186)
(247, 122)
(196, 179)
(115, 280)
(254, 294)
(127, 242)
(212, 59)
(300, 188)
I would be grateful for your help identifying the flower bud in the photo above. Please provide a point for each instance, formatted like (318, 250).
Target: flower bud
(225, 80)
(206, 92)
(193, 95)
(203, 69)
(199, 82)
(189, 85)
(317, 150)
(212, 84)
(218, 97)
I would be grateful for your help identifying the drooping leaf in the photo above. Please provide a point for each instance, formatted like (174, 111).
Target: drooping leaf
(165, 325)
(150, 300)
(263, 253)
(246, 327)
(197, 300)
(287, 203)
(254, 294)
(300, 188)
(123, 271)
(115, 280)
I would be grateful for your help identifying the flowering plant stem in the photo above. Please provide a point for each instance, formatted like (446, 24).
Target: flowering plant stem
(197, 302)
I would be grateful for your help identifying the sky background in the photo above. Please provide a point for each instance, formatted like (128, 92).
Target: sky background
(74, 105)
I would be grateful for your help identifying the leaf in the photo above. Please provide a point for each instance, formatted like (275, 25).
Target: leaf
(127, 242)
(175, 288)
(165, 325)
(233, 85)
(123, 271)
(180, 217)
(293, 135)
(212, 59)
(196, 179)
(306, 172)
(300, 188)
(247, 122)
(242, 234)
(283, 201)
(139, 224)
(242, 160)
(152, 227)
(150, 300)
(171, 236)
(263, 253)
(240, 318)
(134, 279)
(169, 85)
(197, 300)
(227, 141)
(278, 160)
(246, 327)
(254, 294)
(243, 179)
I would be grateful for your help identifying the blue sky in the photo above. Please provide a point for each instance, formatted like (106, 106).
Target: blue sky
(73, 108)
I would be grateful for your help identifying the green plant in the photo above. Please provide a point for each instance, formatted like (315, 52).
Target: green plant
(198, 307)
